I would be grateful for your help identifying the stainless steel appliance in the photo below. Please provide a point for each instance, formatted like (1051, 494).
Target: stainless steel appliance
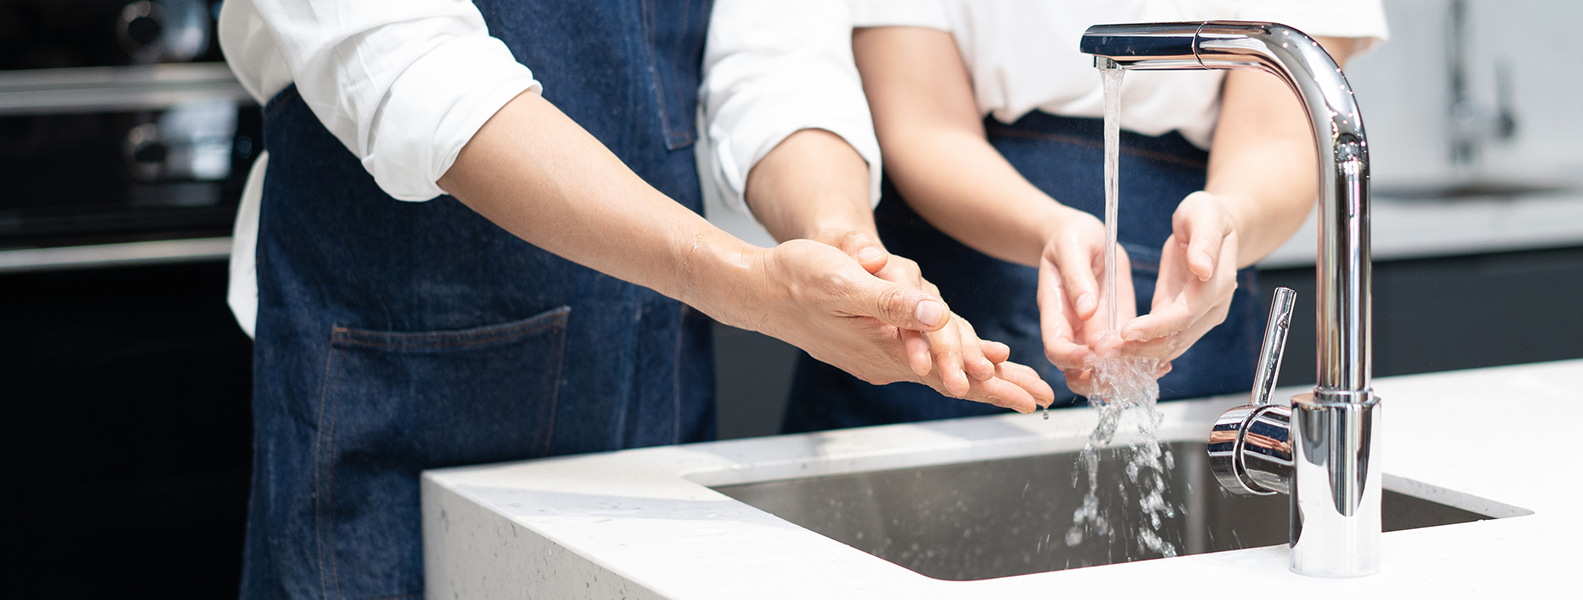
(123, 135)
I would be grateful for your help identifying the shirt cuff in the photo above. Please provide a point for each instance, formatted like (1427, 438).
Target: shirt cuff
(435, 107)
(733, 156)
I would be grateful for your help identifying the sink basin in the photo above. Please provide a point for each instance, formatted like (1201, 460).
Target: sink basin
(996, 518)
(655, 523)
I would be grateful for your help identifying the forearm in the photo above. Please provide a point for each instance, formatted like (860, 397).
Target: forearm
(1262, 168)
(935, 149)
(958, 183)
(536, 173)
(814, 186)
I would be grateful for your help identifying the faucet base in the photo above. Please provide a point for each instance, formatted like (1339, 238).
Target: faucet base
(1335, 484)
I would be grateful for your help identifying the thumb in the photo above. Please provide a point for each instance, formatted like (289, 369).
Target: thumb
(864, 249)
(1203, 235)
(897, 305)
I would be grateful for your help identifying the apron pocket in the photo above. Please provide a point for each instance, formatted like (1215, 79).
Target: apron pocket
(395, 403)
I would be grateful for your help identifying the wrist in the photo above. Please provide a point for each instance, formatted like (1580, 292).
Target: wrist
(834, 215)
(1057, 221)
(1230, 205)
(722, 276)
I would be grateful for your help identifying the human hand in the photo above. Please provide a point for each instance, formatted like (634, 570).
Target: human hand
(1072, 314)
(835, 309)
(1198, 274)
(955, 351)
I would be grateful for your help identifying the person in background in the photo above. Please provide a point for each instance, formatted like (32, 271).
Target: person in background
(446, 258)
(987, 116)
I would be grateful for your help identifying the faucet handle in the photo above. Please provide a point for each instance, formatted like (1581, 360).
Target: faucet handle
(1250, 451)
(1275, 331)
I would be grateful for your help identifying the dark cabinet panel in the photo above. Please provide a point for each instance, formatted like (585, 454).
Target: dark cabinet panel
(1454, 313)
(128, 431)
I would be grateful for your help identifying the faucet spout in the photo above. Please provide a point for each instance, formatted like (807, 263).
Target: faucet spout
(1335, 485)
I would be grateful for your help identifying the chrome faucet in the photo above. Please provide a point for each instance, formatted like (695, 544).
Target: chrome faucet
(1321, 448)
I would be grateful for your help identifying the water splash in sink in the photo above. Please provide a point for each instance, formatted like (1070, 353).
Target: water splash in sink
(1129, 387)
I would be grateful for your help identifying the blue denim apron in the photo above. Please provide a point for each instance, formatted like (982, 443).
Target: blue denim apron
(1063, 156)
(395, 337)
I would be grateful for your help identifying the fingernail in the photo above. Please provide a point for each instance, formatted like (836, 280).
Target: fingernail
(930, 312)
(1135, 335)
(1086, 302)
(868, 254)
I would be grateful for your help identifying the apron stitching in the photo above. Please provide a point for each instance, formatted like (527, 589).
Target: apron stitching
(444, 344)
(654, 71)
(329, 497)
(555, 384)
(676, 375)
(318, 478)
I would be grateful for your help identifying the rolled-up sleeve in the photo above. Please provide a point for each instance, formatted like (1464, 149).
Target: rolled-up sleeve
(772, 68)
(403, 84)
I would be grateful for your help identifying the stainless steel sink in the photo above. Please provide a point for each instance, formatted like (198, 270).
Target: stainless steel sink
(988, 519)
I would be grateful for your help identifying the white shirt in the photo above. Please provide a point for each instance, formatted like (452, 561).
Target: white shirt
(771, 68)
(404, 84)
(1022, 55)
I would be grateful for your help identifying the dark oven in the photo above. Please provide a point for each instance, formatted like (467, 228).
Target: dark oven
(123, 135)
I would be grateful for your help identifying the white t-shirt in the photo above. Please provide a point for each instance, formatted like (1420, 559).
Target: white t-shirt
(1022, 54)
(773, 67)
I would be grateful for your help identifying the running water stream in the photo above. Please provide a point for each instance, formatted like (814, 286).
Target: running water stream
(1111, 80)
(1123, 384)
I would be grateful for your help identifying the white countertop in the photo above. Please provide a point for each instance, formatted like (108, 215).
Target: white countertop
(642, 524)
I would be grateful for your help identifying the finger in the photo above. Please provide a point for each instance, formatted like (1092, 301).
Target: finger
(974, 362)
(916, 345)
(1016, 387)
(866, 250)
(995, 352)
(897, 305)
(1080, 381)
(1076, 261)
(1004, 394)
(1103, 338)
(1174, 274)
(1203, 233)
(1028, 379)
(1197, 301)
(1058, 320)
(946, 347)
(1169, 347)
(905, 272)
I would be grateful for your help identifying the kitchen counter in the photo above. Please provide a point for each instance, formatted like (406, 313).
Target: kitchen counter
(643, 524)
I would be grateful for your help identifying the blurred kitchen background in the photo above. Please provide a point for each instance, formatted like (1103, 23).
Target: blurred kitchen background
(124, 143)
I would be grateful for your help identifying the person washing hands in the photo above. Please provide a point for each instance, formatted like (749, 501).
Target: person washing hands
(987, 117)
(786, 135)
(446, 259)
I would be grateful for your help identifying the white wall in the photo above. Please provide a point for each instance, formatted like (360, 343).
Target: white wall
(1404, 88)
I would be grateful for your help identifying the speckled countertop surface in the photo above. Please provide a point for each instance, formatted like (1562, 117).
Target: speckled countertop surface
(643, 524)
